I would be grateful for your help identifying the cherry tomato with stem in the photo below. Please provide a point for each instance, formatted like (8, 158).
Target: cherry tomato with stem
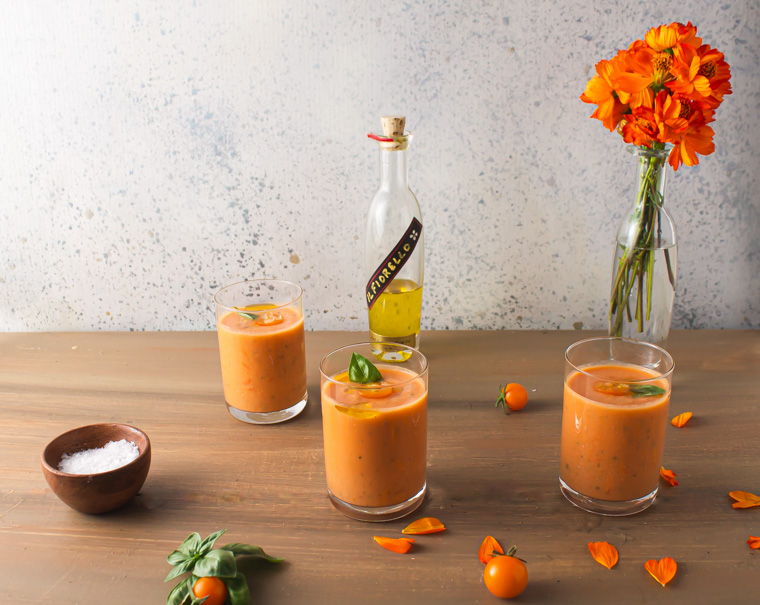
(506, 576)
(513, 396)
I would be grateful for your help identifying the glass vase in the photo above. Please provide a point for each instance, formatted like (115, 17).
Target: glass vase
(646, 257)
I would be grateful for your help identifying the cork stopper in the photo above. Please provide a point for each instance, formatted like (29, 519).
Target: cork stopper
(393, 125)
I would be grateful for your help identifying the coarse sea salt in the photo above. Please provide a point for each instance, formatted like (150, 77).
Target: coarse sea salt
(113, 454)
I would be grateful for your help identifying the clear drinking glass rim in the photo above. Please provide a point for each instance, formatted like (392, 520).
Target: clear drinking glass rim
(262, 280)
(667, 356)
(360, 387)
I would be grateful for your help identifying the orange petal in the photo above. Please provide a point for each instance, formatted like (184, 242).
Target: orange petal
(426, 525)
(489, 546)
(681, 419)
(663, 570)
(754, 542)
(604, 553)
(269, 319)
(744, 499)
(399, 545)
(669, 476)
(378, 393)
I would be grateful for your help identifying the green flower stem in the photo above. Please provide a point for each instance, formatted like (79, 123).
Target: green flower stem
(636, 265)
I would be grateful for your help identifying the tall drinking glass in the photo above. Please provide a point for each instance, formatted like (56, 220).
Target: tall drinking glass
(261, 347)
(614, 416)
(375, 435)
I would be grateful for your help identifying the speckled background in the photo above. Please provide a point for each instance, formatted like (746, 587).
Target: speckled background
(151, 152)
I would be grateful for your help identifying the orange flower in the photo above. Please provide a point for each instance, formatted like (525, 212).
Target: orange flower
(600, 91)
(399, 545)
(427, 525)
(640, 127)
(604, 553)
(669, 476)
(489, 546)
(667, 113)
(744, 499)
(696, 138)
(687, 34)
(689, 80)
(754, 542)
(661, 123)
(718, 73)
(681, 419)
(666, 37)
(633, 85)
(663, 570)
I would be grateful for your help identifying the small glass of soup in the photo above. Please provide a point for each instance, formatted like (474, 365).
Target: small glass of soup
(261, 348)
(375, 435)
(614, 416)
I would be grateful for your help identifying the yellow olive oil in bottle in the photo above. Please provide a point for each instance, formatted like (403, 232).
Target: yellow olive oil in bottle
(394, 247)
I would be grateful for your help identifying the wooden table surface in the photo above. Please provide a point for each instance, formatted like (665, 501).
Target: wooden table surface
(487, 474)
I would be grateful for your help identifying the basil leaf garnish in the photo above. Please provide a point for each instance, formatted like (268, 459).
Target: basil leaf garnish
(217, 563)
(181, 592)
(237, 589)
(362, 370)
(180, 568)
(250, 316)
(208, 541)
(249, 550)
(644, 390)
(191, 544)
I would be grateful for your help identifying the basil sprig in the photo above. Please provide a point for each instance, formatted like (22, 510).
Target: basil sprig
(644, 390)
(250, 316)
(201, 559)
(362, 370)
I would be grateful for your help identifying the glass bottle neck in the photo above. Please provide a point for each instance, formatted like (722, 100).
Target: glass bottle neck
(393, 169)
(650, 180)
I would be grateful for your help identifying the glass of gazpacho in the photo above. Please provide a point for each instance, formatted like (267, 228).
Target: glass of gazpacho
(374, 420)
(261, 346)
(614, 415)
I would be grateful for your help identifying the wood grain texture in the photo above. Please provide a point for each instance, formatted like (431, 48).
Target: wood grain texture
(487, 474)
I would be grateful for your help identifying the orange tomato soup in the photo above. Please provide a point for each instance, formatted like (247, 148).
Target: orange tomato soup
(263, 366)
(612, 444)
(375, 446)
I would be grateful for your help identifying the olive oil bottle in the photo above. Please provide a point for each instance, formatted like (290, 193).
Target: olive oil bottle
(394, 246)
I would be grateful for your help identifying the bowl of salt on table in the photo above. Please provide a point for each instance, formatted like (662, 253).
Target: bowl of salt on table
(97, 468)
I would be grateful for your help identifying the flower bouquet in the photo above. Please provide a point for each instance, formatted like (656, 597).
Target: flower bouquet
(660, 94)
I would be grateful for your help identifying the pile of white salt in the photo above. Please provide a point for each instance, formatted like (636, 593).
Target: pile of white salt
(113, 454)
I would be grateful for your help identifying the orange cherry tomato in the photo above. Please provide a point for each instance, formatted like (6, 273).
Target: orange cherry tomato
(213, 588)
(506, 576)
(514, 396)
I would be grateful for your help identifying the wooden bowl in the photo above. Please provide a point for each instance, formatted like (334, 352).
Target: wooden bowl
(97, 492)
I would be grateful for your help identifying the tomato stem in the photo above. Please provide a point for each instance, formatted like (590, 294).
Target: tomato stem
(510, 553)
(502, 400)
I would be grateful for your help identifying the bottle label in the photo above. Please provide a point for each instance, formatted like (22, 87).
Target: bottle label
(393, 262)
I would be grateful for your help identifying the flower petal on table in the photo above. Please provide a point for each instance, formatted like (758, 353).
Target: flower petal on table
(399, 545)
(669, 476)
(681, 419)
(744, 499)
(604, 553)
(663, 570)
(754, 542)
(426, 525)
(489, 546)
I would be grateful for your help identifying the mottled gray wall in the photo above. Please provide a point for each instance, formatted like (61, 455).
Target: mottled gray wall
(153, 151)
